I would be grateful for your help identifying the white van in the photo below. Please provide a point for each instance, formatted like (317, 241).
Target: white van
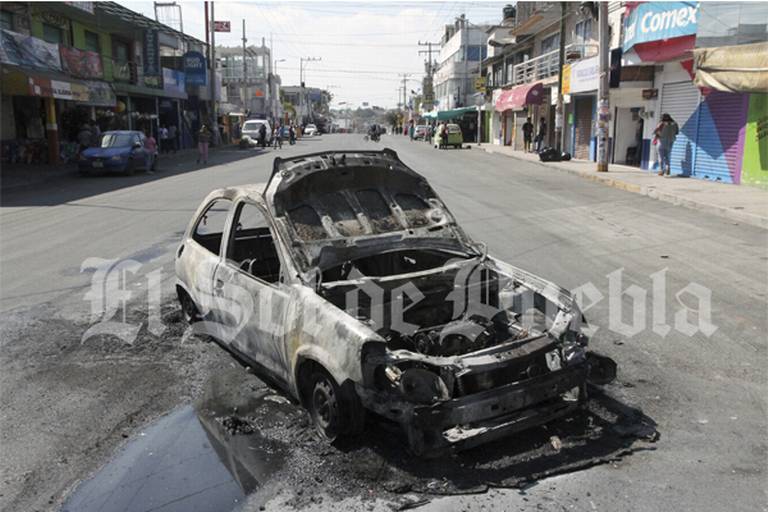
(252, 126)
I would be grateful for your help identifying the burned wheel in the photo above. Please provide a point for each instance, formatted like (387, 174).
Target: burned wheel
(326, 407)
(189, 308)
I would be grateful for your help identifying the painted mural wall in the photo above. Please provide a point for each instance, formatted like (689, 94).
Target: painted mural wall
(755, 162)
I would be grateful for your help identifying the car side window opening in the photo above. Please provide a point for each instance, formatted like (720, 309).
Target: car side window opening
(252, 247)
(209, 230)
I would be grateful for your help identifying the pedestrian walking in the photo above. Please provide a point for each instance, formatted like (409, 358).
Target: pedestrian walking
(411, 129)
(163, 132)
(541, 135)
(277, 140)
(291, 135)
(263, 135)
(664, 137)
(527, 135)
(203, 139)
(442, 135)
(150, 147)
(95, 133)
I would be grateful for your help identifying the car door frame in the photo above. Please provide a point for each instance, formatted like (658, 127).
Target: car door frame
(197, 292)
(261, 343)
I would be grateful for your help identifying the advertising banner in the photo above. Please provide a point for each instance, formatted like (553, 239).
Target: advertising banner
(27, 51)
(81, 63)
(195, 68)
(100, 94)
(584, 76)
(655, 21)
(152, 71)
(174, 83)
(221, 26)
(58, 89)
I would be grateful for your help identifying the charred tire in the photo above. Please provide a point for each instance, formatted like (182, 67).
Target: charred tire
(188, 307)
(325, 406)
(336, 410)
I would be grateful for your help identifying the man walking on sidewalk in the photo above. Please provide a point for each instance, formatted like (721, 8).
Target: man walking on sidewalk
(665, 133)
(527, 135)
(203, 139)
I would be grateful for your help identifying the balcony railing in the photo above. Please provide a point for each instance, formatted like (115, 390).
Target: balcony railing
(548, 64)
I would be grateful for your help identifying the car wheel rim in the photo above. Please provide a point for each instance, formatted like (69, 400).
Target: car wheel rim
(324, 405)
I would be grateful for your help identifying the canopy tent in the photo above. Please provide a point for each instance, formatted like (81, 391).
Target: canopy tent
(445, 115)
(742, 68)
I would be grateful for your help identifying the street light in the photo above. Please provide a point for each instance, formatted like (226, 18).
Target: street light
(274, 68)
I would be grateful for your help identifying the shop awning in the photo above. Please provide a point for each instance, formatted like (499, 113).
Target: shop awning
(445, 115)
(125, 89)
(49, 84)
(518, 97)
(742, 68)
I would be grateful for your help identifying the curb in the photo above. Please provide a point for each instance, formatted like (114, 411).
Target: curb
(653, 193)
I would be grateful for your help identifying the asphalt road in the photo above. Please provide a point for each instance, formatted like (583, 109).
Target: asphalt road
(66, 405)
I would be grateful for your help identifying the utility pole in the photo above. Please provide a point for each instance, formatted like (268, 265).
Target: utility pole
(302, 60)
(405, 76)
(604, 105)
(245, 71)
(561, 58)
(429, 86)
(214, 121)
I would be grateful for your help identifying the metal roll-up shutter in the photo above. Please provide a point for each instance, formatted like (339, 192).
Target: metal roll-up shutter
(582, 128)
(681, 100)
(719, 145)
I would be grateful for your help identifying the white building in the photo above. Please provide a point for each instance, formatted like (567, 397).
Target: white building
(463, 47)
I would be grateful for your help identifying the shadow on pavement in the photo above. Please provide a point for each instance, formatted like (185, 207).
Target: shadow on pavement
(70, 186)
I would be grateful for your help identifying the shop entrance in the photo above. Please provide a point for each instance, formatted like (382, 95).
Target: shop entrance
(627, 136)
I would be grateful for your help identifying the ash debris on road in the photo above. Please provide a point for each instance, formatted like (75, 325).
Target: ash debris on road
(68, 403)
(377, 465)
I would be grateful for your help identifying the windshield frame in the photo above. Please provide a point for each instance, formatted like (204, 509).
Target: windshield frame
(109, 140)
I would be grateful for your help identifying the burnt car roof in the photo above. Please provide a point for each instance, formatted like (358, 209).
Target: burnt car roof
(339, 205)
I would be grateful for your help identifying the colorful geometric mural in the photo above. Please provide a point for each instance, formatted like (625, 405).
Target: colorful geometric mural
(720, 137)
(755, 162)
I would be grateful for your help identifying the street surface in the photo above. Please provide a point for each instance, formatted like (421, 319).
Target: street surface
(67, 405)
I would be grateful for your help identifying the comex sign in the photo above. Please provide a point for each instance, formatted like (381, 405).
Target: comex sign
(654, 21)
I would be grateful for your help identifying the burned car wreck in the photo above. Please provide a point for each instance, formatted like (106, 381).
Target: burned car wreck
(348, 282)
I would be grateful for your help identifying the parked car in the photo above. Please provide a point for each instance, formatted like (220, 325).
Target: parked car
(252, 127)
(118, 151)
(420, 131)
(455, 138)
(310, 130)
(346, 280)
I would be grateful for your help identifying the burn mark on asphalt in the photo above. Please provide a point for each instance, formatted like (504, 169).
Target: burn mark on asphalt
(266, 444)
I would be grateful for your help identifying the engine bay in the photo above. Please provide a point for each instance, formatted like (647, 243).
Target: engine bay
(433, 303)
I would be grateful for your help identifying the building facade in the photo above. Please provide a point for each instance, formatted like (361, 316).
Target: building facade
(66, 64)
(658, 64)
(463, 47)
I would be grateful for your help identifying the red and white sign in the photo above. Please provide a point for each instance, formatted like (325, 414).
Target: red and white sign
(221, 26)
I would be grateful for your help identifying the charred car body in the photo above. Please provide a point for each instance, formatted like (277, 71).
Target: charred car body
(348, 281)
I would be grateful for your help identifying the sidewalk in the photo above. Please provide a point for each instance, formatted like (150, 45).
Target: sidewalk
(740, 203)
(23, 175)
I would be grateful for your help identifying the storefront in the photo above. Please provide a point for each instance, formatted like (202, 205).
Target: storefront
(515, 105)
(580, 81)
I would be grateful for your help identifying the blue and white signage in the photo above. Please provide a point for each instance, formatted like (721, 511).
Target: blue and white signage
(654, 21)
(195, 68)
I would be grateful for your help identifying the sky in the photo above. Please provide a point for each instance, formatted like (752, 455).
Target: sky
(364, 47)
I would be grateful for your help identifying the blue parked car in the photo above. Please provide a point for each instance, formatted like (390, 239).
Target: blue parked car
(118, 151)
